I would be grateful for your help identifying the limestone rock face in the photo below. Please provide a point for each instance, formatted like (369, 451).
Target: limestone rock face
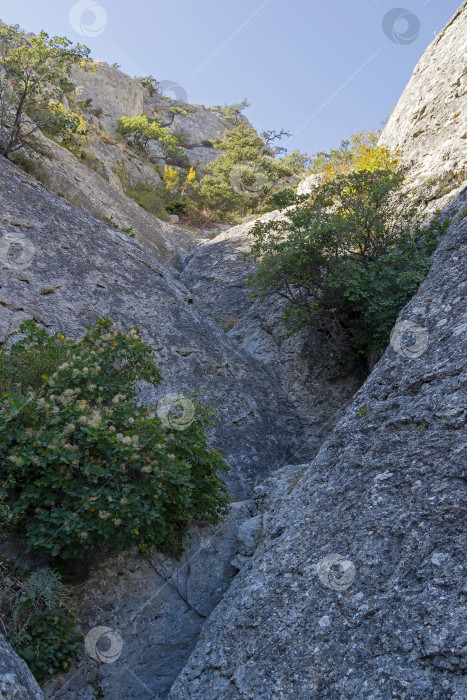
(429, 125)
(356, 588)
(77, 270)
(112, 91)
(90, 190)
(16, 680)
(199, 124)
(309, 184)
(157, 606)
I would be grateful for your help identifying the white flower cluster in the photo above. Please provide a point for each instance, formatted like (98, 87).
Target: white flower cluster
(68, 396)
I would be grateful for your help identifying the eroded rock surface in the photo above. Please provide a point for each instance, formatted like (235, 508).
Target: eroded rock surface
(16, 680)
(429, 125)
(356, 587)
(157, 606)
(92, 192)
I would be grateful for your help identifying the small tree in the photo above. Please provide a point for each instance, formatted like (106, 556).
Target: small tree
(347, 259)
(34, 75)
(270, 136)
(148, 82)
(140, 131)
(235, 110)
(244, 177)
(360, 152)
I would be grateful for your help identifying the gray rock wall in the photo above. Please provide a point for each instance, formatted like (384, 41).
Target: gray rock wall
(428, 127)
(318, 380)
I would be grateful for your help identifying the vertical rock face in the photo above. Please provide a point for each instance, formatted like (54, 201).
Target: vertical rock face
(111, 91)
(16, 680)
(429, 125)
(64, 269)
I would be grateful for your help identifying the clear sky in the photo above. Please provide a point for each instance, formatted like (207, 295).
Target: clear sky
(322, 69)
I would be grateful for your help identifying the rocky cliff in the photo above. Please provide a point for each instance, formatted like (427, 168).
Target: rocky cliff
(429, 124)
(96, 176)
(65, 269)
(79, 270)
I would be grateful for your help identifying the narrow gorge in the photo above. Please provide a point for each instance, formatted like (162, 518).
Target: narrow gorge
(332, 464)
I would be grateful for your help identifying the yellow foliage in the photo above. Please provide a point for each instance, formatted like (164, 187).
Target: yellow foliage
(361, 153)
(171, 177)
(191, 177)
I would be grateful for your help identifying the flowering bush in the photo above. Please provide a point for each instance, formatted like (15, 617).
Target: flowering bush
(85, 464)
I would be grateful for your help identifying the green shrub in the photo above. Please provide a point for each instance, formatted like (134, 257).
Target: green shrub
(234, 111)
(150, 199)
(126, 229)
(140, 131)
(347, 260)
(39, 618)
(87, 465)
(286, 198)
(242, 180)
(148, 82)
(177, 207)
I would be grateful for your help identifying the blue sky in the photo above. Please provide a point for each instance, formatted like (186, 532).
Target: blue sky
(322, 69)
